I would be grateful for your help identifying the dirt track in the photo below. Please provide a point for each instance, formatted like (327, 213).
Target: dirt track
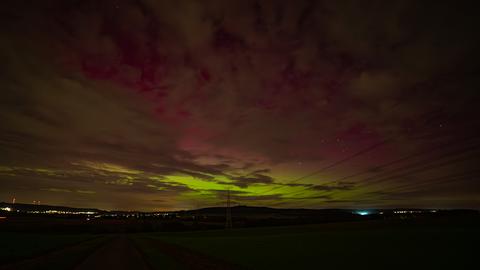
(57, 259)
(118, 252)
(189, 259)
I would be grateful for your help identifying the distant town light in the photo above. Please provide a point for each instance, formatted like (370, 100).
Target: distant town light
(8, 209)
(362, 213)
(408, 212)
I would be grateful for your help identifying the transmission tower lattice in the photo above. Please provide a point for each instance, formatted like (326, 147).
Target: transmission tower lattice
(228, 221)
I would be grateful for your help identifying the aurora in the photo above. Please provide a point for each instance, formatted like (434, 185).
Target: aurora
(162, 105)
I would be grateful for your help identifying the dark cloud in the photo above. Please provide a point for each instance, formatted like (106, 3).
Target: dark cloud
(114, 96)
(241, 197)
(337, 186)
(244, 181)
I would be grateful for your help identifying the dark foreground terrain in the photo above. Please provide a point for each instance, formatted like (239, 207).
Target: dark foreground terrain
(379, 244)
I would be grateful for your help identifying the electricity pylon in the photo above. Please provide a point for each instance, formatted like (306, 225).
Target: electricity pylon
(228, 221)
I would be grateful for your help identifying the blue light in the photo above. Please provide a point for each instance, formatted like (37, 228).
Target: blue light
(362, 213)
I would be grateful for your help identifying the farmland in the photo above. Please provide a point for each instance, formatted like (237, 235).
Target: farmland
(369, 244)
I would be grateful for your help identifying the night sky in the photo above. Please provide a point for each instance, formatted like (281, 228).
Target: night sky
(162, 105)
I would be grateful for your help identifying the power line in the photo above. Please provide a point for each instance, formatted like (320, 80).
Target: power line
(228, 220)
(418, 166)
(363, 151)
(447, 178)
(444, 178)
(402, 159)
(422, 169)
(408, 157)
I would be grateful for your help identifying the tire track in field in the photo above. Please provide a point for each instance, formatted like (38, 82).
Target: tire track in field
(187, 258)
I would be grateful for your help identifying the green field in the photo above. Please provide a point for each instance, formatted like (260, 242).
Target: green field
(57, 251)
(337, 246)
(16, 246)
(364, 245)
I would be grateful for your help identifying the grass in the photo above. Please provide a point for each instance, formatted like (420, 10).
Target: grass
(337, 246)
(364, 245)
(65, 259)
(19, 246)
(155, 259)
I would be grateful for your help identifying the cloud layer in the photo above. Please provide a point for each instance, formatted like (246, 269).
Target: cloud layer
(165, 105)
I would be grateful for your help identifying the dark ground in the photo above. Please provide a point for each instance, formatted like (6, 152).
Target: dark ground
(400, 244)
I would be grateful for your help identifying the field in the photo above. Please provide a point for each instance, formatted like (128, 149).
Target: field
(363, 245)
